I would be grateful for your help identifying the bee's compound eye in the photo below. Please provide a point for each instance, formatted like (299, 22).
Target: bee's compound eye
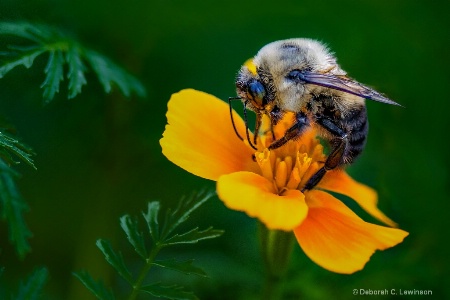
(295, 75)
(256, 91)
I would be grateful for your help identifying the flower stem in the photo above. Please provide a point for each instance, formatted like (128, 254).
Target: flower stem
(148, 264)
(276, 249)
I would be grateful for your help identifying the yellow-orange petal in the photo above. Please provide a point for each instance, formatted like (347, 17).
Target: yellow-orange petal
(337, 239)
(340, 182)
(255, 195)
(199, 136)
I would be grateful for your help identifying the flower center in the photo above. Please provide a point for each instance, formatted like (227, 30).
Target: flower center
(290, 166)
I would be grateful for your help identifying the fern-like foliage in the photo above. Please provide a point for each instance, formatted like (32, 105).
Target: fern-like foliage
(64, 52)
(12, 206)
(29, 289)
(160, 234)
(68, 59)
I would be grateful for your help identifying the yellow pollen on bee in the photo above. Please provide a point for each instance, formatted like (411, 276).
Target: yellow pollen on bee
(250, 66)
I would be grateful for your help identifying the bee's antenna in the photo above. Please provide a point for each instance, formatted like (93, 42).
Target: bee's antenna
(231, 115)
(246, 126)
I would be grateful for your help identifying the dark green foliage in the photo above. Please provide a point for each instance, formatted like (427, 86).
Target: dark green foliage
(54, 72)
(31, 289)
(97, 288)
(108, 72)
(184, 266)
(10, 147)
(161, 236)
(12, 206)
(62, 50)
(135, 237)
(114, 259)
(168, 292)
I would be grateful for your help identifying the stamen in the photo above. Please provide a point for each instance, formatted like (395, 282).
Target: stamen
(281, 175)
(288, 160)
(264, 161)
(303, 162)
(292, 165)
(294, 180)
(313, 168)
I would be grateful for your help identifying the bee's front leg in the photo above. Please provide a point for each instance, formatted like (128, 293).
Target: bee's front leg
(301, 122)
(340, 146)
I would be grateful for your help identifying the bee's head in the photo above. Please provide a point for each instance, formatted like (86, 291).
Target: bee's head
(251, 88)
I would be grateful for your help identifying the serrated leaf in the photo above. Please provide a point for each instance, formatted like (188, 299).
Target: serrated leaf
(151, 217)
(97, 288)
(21, 29)
(54, 41)
(13, 206)
(183, 266)
(169, 292)
(32, 288)
(13, 146)
(109, 73)
(76, 72)
(193, 236)
(185, 207)
(26, 60)
(135, 237)
(54, 71)
(115, 260)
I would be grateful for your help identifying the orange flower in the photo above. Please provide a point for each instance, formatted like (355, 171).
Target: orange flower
(267, 184)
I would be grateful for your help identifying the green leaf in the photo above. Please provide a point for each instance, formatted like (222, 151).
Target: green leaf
(54, 71)
(76, 72)
(115, 260)
(26, 60)
(135, 237)
(169, 292)
(193, 236)
(152, 220)
(32, 288)
(184, 266)
(13, 206)
(64, 49)
(11, 145)
(24, 30)
(97, 288)
(108, 73)
(185, 207)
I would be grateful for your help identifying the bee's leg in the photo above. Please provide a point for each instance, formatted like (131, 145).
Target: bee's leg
(293, 132)
(257, 127)
(276, 114)
(340, 147)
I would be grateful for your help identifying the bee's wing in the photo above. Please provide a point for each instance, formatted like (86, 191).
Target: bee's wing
(346, 85)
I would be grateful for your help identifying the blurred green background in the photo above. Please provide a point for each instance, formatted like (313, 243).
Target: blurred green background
(99, 155)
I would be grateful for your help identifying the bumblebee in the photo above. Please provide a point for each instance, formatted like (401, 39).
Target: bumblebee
(302, 76)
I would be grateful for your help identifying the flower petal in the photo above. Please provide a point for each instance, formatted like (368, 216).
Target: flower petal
(256, 196)
(338, 240)
(200, 138)
(340, 182)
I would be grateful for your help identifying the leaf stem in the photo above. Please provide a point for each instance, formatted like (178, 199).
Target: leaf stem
(143, 273)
